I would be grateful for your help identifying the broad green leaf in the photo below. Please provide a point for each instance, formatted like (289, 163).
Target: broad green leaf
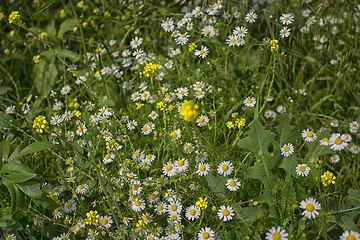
(4, 90)
(16, 173)
(6, 221)
(46, 202)
(18, 149)
(65, 26)
(74, 57)
(286, 132)
(31, 188)
(11, 188)
(4, 119)
(51, 29)
(109, 103)
(34, 147)
(289, 165)
(258, 142)
(45, 76)
(316, 150)
(216, 184)
(4, 150)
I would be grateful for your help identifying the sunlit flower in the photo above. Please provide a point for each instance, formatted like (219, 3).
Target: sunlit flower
(311, 207)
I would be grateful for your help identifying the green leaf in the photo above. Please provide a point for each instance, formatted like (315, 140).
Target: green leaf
(51, 29)
(45, 76)
(289, 165)
(31, 188)
(6, 221)
(4, 90)
(46, 202)
(248, 215)
(285, 131)
(4, 150)
(16, 173)
(34, 147)
(4, 119)
(258, 142)
(109, 102)
(74, 57)
(11, 188)
(216, 184)
(65, 26)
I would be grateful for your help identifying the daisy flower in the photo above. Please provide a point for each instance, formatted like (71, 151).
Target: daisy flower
(225, 213)
(334, 123)
(160, 208)
(311, 207)
(175, 135)
(240, 31)
(168, 25)
(309, 136)
(276, 233)
(251, 16)
(287, 149)
(208, 31)
(10, 110)
(169, 169)
(138, 205)
(206, 233)
(203, 169)
(203, 52)
(286, 18)
(182, 39)
(249, 102)
(136, 42)
(335, 158)
(324, 141)
(182, 165)
(350, 235)
(57, 213)
(105, 222)
(70, 206)
(337, 141)
(281, 109)
(65, 90)
(202, 121)
(188, 148)
(174, 207)
(225, 168)
(192, 212)
(82, 188)
(284, 32)
(38, 220)
(233, 184)
(302, 170)
(232, 40)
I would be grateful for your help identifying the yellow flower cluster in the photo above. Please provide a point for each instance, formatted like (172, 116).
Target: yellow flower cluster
(151, 69)
(40, 124)
(192, 46)
(14, 18)
(328, 178)
(230, 125)
(240, 123)
(274, 45)
(92, 218)
(189, 111)
(202, 203)
(36, 59)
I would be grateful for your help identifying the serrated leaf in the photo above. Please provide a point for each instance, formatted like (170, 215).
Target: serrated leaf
(4, 90)
(289, 165)
(34, 147)
(65, 26)
(216, 184)
(285, 131)
(248, 215)
(16, 173)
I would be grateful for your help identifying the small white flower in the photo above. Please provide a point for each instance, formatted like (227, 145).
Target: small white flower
(250, 102)
(65, 90)
(311, 207)
(276, 233)
(225, 213)
(287, 150)
(302, 170)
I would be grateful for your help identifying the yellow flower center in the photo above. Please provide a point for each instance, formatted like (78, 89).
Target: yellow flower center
(104, 221)
(81, 187)
(309, 207)
(174, 135)
(188, 147)
(276, 236)
(153, 196)
(338, 141)
(160, 207)
(107, 156)
(225, 167)
(145, 129)
(137, 203)
(326, 139)
(225, 212)
(180, 163)
(350, 237)
(202, 168)
(146, 218)
(135, 187)
(232, 183)
(137, 154)
(68, 205)
(192, 212)
(208, 31)
(173, 207)
(302, 169)
(201, 52)
(309, 134)
(201, 120)
(168, 168)
(206, 235)
(249, 101)
(286, 148)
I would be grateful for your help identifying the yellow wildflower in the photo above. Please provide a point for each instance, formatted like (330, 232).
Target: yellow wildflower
(202, 203)
(62, 13)
(240, 123)
(230, 125)
(151, 69)
(92, 218)
(40, 124)
(14, 18)
(328, 178)
(274, 45)
(36, 59)
(192, 46)
(189, 110)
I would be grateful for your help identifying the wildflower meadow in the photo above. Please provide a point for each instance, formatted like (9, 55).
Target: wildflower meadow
(169, 120)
